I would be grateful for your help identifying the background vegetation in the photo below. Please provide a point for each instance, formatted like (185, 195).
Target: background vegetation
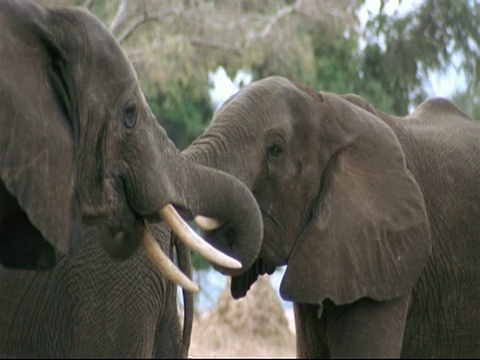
(173, 44)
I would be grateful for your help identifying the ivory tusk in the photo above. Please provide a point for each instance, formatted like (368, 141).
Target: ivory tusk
(191, 239)
(164, 264)
(206, 223)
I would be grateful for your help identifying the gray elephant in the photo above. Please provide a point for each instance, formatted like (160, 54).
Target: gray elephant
(90, 305)
(376, 217)
(84, 164)
(79, 145)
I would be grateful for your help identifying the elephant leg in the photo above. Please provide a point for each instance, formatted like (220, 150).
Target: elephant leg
(309, 332)
(365, 328)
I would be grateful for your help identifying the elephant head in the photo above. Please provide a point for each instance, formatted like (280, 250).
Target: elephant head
(79, 144)
(340, 207)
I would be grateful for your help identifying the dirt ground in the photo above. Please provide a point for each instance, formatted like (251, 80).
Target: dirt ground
(254, 326)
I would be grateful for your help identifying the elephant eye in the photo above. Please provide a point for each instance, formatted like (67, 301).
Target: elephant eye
(274, 151)
(130, 115)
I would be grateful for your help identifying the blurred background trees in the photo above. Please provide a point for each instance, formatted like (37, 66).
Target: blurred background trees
(332, 45)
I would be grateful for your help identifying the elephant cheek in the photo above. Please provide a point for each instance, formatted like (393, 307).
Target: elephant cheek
(122, 245)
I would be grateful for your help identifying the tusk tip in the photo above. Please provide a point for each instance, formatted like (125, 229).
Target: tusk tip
(193, 241)
(164, 264)
(192, 288)
(234, 264)
(206, 223)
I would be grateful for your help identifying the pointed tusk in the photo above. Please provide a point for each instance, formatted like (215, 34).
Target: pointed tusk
(194, 242)
(164, 264)
(206, 223)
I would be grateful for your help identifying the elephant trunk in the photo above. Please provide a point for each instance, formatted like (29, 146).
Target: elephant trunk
(215, 194)
(194, 190)
(163, 181)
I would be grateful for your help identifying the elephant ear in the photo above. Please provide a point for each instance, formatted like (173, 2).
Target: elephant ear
(36, 138)
(369, 234)
(360, 102)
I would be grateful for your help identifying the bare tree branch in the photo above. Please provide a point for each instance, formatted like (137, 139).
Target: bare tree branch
(134, 24)
(135, 55)
(88, 4)
(279, 14)
(141, 20)
(119, 17)
(222, 46)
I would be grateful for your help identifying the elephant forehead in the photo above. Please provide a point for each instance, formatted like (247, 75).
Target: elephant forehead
(109, 60)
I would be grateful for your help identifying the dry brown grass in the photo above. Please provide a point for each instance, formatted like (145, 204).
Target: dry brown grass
(255, 326)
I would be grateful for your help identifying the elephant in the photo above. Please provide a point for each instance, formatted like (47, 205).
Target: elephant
(374, 216)
(79, 146)
(86, 170)
(91, 306)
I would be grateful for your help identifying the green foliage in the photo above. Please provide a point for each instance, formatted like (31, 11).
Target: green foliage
(329, 59)
(314, 42)
(182, 110)
(342, 68)
(336, 61)
(470, 103)
(199, 263)
(405, 49)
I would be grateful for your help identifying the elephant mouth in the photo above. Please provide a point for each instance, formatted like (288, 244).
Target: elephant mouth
(122, 234)
(127, 241)
(221, 239)
(272, 231)
(191, 240)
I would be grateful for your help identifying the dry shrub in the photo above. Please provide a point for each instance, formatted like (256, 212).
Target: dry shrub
(255, 326)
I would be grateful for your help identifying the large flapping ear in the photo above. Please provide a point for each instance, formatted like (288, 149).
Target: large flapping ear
(37, 143)
(369, 234)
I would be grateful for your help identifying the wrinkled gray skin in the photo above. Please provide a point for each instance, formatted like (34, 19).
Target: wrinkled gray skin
(79, 144)
(91, 306)
(375, 216)
(80, 147)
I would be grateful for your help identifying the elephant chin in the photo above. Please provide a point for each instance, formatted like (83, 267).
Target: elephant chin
(123, 244)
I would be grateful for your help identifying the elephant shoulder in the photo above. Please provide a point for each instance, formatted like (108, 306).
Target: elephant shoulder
(440, 109)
